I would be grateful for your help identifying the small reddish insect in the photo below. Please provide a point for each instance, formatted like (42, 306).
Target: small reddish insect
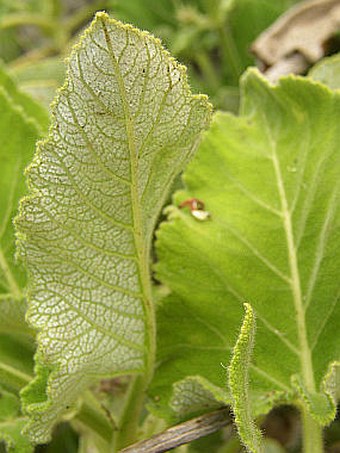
(193, 203)
(196, 207)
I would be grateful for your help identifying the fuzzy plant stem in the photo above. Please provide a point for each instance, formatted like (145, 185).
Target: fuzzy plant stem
(311, 434)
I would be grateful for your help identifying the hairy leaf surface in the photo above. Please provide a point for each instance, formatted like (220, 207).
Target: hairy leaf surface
(270, 180)
(125, 124)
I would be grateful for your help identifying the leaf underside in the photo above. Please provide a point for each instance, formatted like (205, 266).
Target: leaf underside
(125, 123)
(270, 180)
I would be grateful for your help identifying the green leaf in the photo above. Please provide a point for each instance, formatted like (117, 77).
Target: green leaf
(200, 393)
(16, 348)
(11, 424)
(238, 382)
(327, 71)
(16, 361)
(12, 315)
(125, 124)
(194, 348)
(40, 79)
(31, 108)
(16, 150)
(272, 446)
(17, 140)
(269, 179)
(247, 19)
(320, 405)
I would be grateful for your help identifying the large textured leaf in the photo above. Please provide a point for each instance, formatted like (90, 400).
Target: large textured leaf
(125, 124)
(270, 179)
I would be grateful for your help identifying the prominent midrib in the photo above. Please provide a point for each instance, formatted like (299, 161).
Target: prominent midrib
(138, 231)
(305, 352)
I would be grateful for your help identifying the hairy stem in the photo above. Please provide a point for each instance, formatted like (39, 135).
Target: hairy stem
(311, 434)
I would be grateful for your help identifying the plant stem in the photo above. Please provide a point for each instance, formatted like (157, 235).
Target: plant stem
(13, 377)
(12, 283)
(231, 57)
(93, 416)
(33, 56)
(311, 434)
(129, 422)
(208, 71)
(15, 20)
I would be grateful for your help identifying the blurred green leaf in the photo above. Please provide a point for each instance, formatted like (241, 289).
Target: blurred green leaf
(32, 109)
(40, 79)
(11, 424)
(17, 141)
(16, 150)
(327, 71)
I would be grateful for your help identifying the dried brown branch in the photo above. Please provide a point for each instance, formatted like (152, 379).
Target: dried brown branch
(183, 433)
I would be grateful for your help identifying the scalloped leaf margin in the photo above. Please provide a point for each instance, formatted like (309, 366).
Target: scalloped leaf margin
(125, 124)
